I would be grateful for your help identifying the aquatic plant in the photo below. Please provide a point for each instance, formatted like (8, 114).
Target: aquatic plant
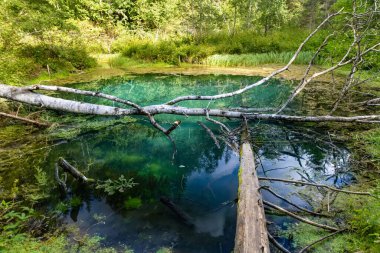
(120, 185)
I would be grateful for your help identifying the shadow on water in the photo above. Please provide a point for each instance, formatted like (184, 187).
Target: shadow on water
(201, 180)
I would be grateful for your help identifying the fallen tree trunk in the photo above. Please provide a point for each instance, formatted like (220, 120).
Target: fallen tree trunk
(24, 95)
(251, 232)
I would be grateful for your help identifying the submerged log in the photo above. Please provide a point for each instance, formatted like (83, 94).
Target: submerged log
(182, 216)
(251, 232)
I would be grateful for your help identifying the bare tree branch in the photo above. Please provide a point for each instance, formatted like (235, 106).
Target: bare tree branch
(277, 244)
(208, 130)
(26, 120)
(291, 203)
(342, 63)
(299, 217)
(324, 43)
(313, 184)
(320, 240)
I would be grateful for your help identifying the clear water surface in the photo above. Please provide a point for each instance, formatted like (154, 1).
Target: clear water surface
(201, 180)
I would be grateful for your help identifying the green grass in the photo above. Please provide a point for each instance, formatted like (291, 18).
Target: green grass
(372, 143)
(249, 60)
(120, 61)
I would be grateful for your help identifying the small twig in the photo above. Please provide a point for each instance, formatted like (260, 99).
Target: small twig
(61, 183)
(173, 127)
(299, 217)
(320, 240)
(313, 184)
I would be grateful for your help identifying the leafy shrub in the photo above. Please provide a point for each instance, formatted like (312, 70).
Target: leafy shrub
(14, 70)
(58, 57)
(196, 50)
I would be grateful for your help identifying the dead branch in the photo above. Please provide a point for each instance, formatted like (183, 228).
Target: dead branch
(26, 120)
(342, 63)
(277, 244)
(61, 183)
(313, 184)
(173, 127)
(305, 249)
(208, 130)
(354, 68)
(375, 101)
(291, 203)
(263, 80)
(83, 92)
(301, 83)
(223, 126)
(299, 217)
(181, 215)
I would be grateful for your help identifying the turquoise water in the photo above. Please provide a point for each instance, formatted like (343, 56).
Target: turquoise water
(201, 179)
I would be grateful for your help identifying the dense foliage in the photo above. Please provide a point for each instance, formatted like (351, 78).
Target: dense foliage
(50, 36)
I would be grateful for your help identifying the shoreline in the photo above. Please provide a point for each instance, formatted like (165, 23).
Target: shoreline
(295, 72)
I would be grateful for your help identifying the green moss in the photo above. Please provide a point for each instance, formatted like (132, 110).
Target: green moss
(75, 201)
(372, 139)
(55, 244)
(303, 235)
(362, 218)
(132, 203)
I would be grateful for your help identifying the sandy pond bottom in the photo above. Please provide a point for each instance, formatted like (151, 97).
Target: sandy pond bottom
(202, 179)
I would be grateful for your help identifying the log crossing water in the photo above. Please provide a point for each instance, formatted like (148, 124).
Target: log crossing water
(251, 231)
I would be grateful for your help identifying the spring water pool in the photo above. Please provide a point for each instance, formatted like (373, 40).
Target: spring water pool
(201, 179)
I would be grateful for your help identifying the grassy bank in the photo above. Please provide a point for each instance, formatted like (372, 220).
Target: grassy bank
(361, 214)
